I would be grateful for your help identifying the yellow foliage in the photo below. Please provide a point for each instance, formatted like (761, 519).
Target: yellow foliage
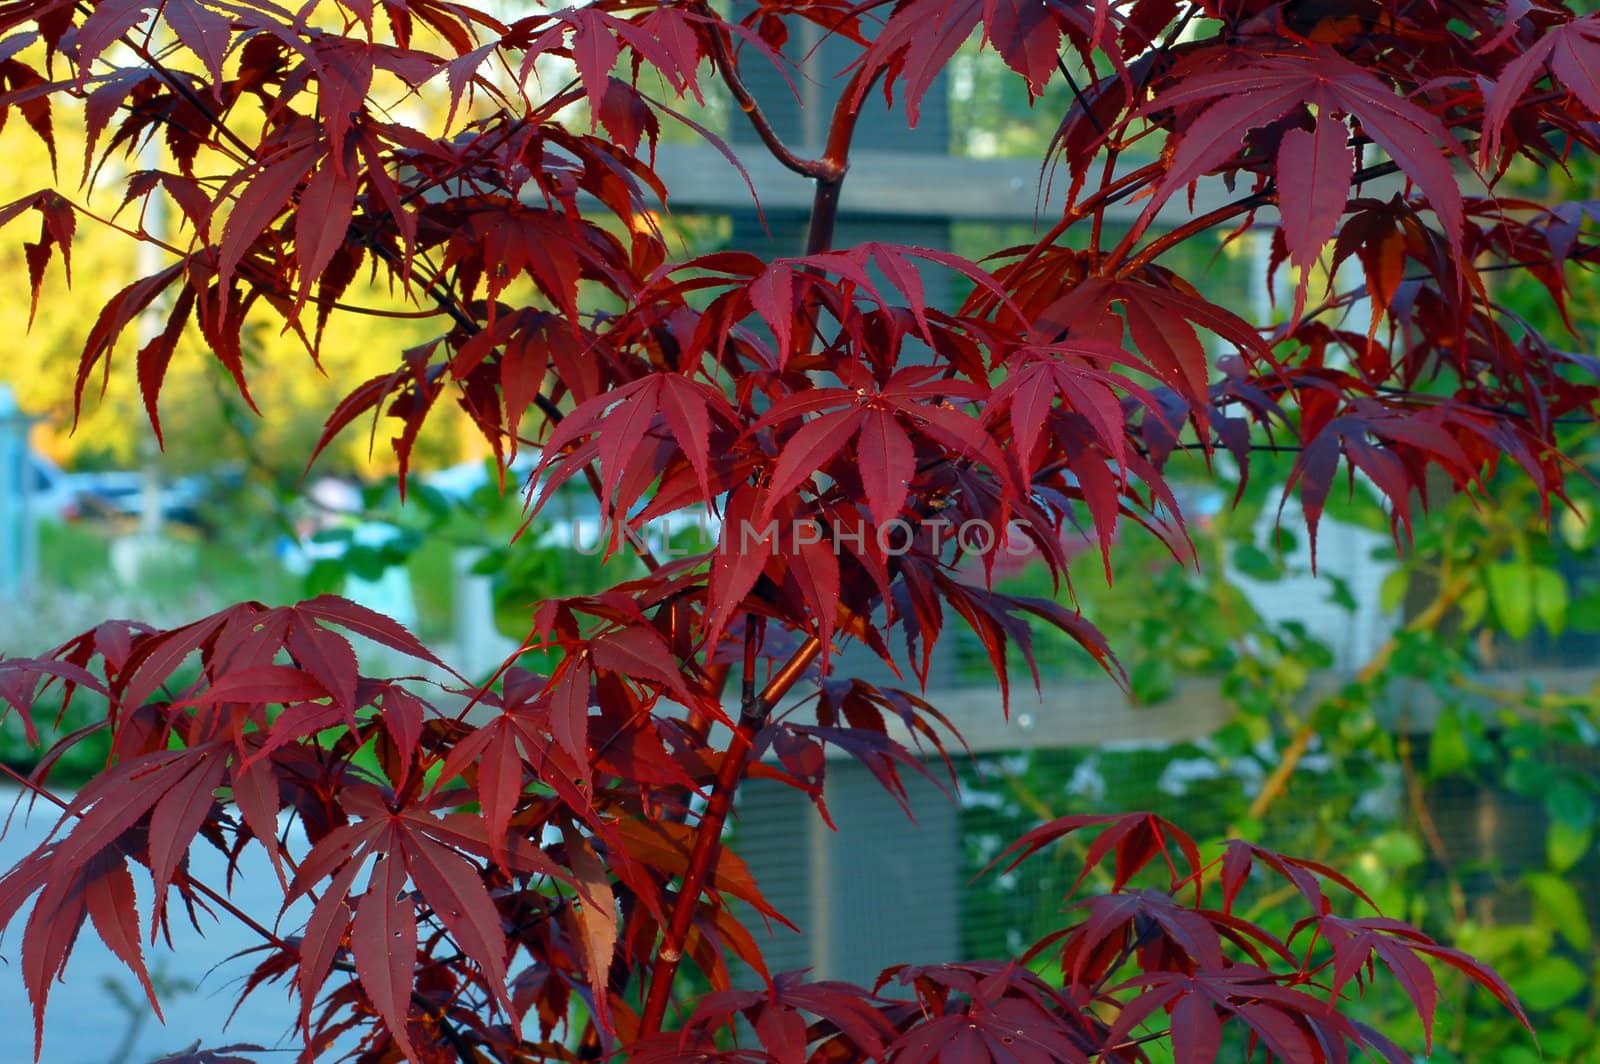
(204, 419)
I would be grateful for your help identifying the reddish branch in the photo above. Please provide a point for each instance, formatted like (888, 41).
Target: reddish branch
(829, 174)
(708, 838)
(726, 65)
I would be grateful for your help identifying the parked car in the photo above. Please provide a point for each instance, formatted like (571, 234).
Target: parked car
(118, 496)
(114, 495)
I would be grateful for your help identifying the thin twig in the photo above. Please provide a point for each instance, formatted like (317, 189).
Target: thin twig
(1277, 782)
(722, 59)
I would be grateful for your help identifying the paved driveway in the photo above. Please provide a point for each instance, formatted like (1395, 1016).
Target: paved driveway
(99, 1014)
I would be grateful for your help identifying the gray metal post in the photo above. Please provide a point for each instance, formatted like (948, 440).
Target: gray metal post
(18, 521)
(151, 258)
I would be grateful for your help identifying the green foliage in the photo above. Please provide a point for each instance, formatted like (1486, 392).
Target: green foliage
(1453, 774)
(72, 556)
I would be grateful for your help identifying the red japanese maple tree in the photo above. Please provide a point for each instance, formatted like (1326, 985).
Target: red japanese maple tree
(532, 863)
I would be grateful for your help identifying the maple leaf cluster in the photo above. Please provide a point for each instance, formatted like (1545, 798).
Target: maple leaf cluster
(518, 870)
